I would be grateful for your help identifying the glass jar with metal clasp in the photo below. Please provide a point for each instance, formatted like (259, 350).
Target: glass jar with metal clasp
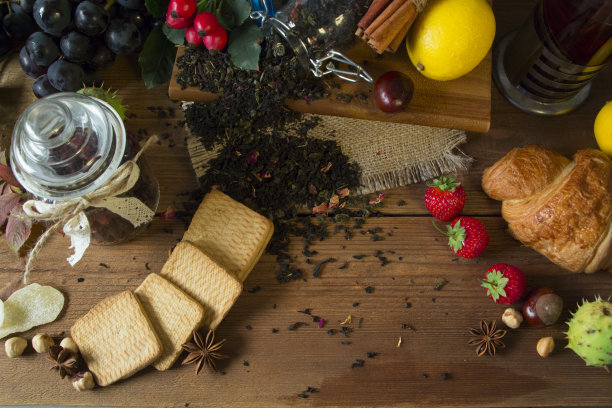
(318, 32)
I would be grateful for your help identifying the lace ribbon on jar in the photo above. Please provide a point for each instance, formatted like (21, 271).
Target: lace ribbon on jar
(70, 213)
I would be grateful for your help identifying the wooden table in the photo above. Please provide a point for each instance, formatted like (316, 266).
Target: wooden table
(269, 369)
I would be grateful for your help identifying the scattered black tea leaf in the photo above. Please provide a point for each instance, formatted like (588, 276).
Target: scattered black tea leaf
(343, 266)
(104, 265)
(369, 289)
(254, 289)
(248, 327)
(80, 280)
(371, 354)
(408, 326)
(358, 363)
(317, 268)
(355, 304)
(297, 325)
(305, 311)
(361, 256)
(440, 284)
(345, 342)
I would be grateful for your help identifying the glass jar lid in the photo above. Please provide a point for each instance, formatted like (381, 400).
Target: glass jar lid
(66, 145)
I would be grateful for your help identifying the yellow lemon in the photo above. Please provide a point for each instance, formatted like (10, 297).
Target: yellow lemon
(603, 129)
(451, 37)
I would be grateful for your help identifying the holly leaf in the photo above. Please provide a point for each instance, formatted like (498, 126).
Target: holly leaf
(233, 13)
(9, 200)
(157, 58)
(157, 8)
(175, 35)
(245, 46)
(18, 229)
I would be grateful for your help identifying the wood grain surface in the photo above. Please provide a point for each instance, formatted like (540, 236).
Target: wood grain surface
(267, 369)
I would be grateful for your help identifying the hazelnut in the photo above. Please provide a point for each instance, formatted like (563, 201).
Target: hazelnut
(545, 346)
(512, 318)
(83, 381)
(41, 342)
(69, 344)
(15, 346)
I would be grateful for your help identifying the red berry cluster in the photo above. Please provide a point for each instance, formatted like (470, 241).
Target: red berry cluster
(200, 28)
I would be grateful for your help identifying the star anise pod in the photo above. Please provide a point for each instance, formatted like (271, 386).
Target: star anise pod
(64, 361)
(203, 352)
(487, 339)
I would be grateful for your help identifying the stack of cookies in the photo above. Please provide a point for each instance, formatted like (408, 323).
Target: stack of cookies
(196, 287)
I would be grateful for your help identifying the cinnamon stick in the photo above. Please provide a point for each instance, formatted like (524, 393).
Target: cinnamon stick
(399, 38)
(385, 15)
(385, 34)
(376, 7)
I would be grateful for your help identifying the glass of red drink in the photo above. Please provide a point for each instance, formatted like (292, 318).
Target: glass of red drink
(546, 66)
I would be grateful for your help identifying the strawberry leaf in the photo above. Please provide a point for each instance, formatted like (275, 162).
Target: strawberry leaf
(9, 200)
(456, 236)
(18, 229)
(495, 282)
(445, 183)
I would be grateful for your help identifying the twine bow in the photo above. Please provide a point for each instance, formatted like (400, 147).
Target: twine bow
(70, 213)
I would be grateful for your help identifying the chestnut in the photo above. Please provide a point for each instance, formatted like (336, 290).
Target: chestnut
(393, 91)
(542, 307)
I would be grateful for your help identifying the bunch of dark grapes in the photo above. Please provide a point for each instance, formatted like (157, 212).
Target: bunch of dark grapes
(64, 43)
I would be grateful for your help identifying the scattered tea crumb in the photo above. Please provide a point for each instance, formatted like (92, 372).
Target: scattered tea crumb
(408, 326)
(305, 311)
(407, 305)
(433, 300)
(371, 354)
(104, 265)
(316, 319)
(311, 390)
(147, 267)
(248, 327)
(440, 284)
(424, 375)
(359, 256)
(245, 363)
(80, 280)
(317, 268)
(274, 306)
(401, 258)
(355, 304)
(369, 289)
(346, 343)
(274, 330)
(359, 322)
(358, 363)
(302, 395)
(331, 331)
(297, 325)
(445, 376)
(401, 203)
(344, 265)
(383, 260)
(254, 289)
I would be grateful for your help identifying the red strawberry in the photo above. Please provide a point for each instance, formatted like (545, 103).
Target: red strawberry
(467, 236)
(445, 198)
(505, 283)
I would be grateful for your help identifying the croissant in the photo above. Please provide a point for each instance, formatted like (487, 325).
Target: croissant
(560, 208)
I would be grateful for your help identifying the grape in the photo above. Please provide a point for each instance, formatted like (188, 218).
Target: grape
(42, 87)
(28, 66)
(18, 25)
(135, 17)
(122, 37)
(42, 49)
(131, 4)
(91, 19)
(66, 76)
(52, 16)
(102, 58)
(27, 5)
(76, 47)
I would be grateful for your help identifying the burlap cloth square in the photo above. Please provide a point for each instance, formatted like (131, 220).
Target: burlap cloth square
(390, 154)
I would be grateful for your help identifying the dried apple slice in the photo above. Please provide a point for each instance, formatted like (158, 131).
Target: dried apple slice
(29, 307)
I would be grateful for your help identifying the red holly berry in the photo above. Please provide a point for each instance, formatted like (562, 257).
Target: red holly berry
(467, 236)
(192, 37)
(505, 283)
(178, 23)
(182, 8)
(204, 23)
(216, 39)
(445, 198)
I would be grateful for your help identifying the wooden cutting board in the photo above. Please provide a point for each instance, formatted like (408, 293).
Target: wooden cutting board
(464, 103)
